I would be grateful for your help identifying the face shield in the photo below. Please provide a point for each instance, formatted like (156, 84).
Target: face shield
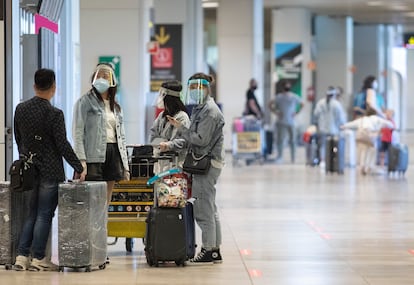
(164, 92)
(104, 72)
(197, 92)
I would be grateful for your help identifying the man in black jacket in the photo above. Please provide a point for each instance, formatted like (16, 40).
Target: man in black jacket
(39, 128)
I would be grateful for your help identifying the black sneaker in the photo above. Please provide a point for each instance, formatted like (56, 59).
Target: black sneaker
(216, 256)
(203, 257)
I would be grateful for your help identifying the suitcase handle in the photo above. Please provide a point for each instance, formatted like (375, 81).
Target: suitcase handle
(163, 174)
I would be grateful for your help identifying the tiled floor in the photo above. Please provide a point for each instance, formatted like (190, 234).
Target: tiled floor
(285, 224)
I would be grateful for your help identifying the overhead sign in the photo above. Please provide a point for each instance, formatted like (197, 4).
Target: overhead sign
(166, 63)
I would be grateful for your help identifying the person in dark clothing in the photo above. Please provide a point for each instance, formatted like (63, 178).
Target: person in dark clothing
(39, 128)
(252, 106)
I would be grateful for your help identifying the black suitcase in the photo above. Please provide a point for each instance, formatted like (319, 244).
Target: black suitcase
(14, 207)
(170, 235)
(312, 151)
(268, 143)
(335, 154)
(398, 158)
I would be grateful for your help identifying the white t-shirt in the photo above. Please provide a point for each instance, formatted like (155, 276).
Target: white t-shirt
(110, 124)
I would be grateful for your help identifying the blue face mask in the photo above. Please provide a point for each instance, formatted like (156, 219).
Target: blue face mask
(101, 84)
(197, 95)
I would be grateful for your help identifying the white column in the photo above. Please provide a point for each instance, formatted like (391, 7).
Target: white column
(240, 56)
(334, 41)
(298, 22)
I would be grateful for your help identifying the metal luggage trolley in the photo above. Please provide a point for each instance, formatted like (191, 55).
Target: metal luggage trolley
(133, 199)
(247, 140)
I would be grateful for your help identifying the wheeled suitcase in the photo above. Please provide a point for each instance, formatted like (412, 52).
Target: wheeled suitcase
(170, 235)
(14, 207)
(335, 154)
(312, 151)
(170, 232)
(398, 158)
(350, 148)
(82, 227)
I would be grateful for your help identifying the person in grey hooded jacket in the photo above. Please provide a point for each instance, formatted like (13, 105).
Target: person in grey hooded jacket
(205, 135)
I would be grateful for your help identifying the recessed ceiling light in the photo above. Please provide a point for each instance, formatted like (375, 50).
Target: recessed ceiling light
(409, 14)
(210, 4)
(375, 3)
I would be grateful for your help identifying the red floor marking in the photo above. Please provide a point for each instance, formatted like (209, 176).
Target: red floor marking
(245, 252)
(255, 273)
(411, 251)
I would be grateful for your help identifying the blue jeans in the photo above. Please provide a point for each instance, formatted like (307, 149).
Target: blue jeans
(42, 206)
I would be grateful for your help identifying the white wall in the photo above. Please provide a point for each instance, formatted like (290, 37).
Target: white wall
(113, 28)
(408, 103)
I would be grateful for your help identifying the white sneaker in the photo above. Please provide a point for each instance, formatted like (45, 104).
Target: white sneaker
(42, 265)
(22, 263)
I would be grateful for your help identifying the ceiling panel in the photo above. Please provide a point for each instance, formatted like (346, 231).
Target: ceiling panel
(363, 11)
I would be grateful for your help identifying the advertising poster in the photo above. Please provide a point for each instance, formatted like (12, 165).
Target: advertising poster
(288, 65)
(166, 64)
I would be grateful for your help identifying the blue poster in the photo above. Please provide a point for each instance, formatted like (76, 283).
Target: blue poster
(288, 65)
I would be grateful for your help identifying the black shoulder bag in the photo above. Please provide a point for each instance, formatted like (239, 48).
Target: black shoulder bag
(22, 171)
(198, 164)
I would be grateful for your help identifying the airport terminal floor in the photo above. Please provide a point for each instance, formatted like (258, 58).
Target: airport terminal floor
(284, 224)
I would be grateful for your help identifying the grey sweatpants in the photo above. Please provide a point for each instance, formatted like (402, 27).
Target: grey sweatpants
(205, 208)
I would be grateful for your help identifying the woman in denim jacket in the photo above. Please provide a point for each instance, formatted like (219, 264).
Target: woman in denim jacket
(205, 135)
(98, 131)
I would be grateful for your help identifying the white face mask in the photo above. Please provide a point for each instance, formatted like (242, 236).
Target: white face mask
(375, 85)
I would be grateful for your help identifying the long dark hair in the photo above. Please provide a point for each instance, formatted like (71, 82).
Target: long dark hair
(172, 104)
(368, 82)
(111, 91)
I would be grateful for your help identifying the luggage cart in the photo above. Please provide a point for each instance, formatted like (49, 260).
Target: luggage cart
(132, 200)
(247, 140)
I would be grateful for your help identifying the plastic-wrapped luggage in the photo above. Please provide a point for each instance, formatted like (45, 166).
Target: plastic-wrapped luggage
(82, 227)
(13, 209)
(335, 154)
(312, 151)
(350, 148)
(398, 158)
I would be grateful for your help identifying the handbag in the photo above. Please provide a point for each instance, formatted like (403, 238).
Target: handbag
(197, 164)
(365, 136)
(22, 174)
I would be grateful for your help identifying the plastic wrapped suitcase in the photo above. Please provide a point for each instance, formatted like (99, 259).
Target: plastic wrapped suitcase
(398, 158)
(82, 227)
(350, 147)
(335, 154)
(13, 208)
(312, 151)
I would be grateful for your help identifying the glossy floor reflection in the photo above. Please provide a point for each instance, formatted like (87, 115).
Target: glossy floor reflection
(285, 224)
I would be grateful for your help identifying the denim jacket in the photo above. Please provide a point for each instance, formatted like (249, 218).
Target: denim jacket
(206, 132)
(89, 130)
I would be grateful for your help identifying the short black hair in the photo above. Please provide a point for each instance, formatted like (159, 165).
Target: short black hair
(44, 79)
